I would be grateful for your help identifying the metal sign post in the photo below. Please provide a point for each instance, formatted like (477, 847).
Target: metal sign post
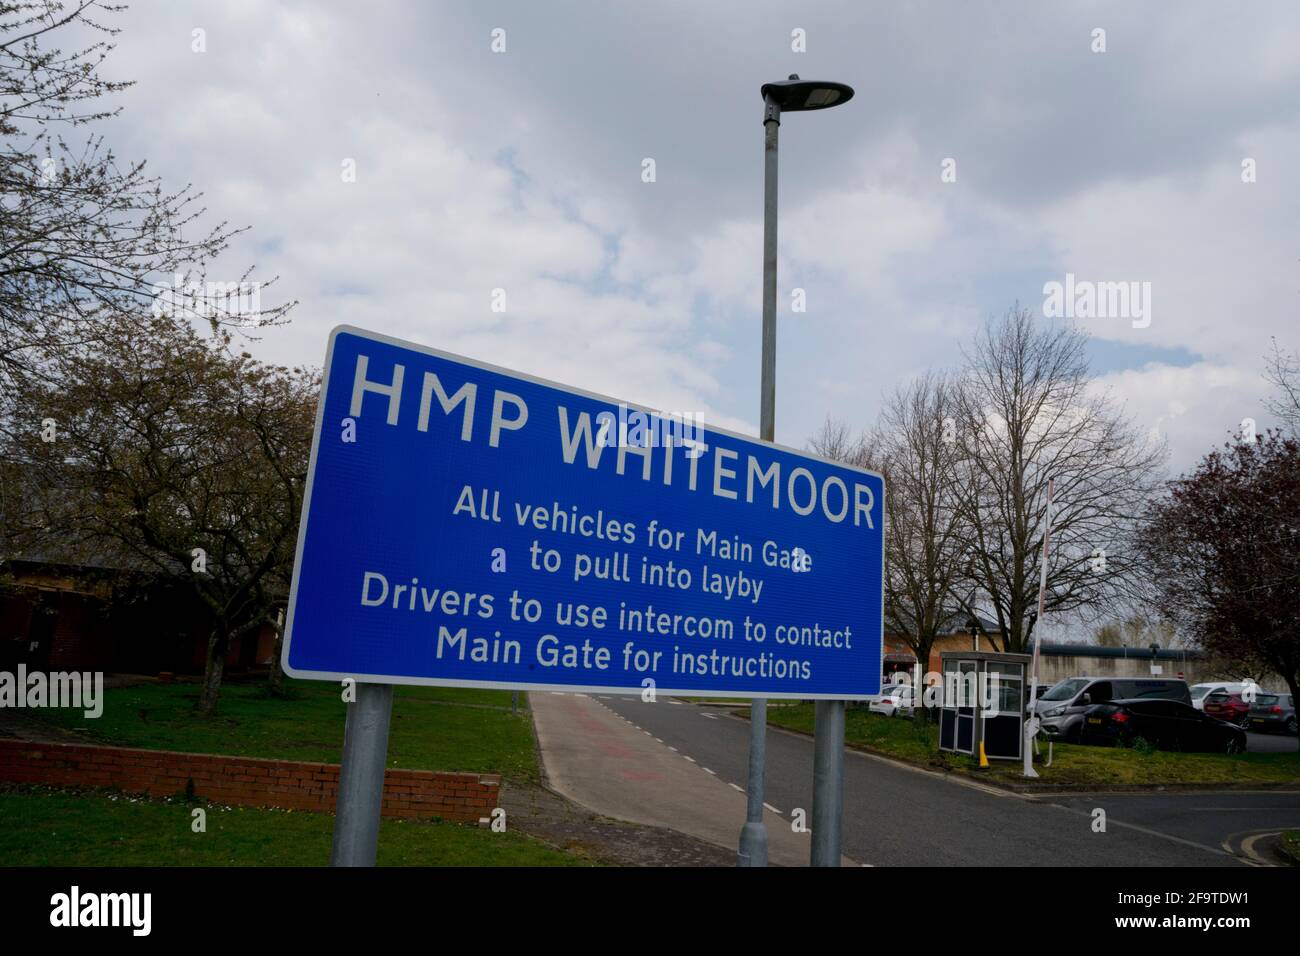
(361, 777)
(753, 835)
(828, 782)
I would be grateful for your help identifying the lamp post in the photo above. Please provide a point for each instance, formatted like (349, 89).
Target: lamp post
(790, 96)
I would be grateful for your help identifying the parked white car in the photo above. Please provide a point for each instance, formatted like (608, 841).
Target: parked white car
(1202, 691)
(894, 700)
(886, 689)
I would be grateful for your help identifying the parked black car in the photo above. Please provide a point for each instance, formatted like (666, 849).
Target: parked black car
(1165, 724)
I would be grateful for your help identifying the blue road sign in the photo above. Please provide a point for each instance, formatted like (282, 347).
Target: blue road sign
(469, 526)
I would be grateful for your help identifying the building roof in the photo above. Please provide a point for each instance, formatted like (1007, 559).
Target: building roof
(954, 622)
(1096, 650)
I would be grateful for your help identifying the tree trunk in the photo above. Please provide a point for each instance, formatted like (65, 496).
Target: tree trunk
(275, 680)
(214, 670)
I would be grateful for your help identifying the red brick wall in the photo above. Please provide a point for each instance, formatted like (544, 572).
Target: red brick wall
(243, 781)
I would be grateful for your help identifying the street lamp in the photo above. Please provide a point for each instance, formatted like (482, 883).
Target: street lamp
(791, 96)
(796, 95)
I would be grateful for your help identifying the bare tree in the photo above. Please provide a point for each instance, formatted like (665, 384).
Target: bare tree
(835, 440)
(88, 242)
(1282, 370)
(1137, 629)
(914, 445)
(1029, 414)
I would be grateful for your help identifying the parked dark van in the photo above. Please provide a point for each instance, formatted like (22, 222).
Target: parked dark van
(1060, 710)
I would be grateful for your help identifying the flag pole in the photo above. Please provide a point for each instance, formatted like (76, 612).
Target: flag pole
(1031, 725)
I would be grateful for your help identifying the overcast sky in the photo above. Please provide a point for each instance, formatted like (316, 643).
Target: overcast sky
(522, 170)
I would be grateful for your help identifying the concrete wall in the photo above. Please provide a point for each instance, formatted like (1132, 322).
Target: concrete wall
(1052, 667)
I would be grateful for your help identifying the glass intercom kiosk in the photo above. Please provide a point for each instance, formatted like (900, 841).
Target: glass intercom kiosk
(983, 702)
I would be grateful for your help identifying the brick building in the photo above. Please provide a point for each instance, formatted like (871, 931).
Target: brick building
(954, 635)
(59, 613)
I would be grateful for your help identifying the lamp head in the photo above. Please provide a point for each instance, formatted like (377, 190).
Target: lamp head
(795, 95)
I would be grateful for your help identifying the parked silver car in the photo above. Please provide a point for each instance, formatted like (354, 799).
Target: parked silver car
(1271, 712)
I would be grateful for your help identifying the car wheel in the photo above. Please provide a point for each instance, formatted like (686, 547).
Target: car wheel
(1290, 725)
(1245, 723)
(1074, 734)
(1233, 746)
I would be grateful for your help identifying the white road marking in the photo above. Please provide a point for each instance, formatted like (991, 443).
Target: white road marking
(1248, 847)
(707, 770)
(736, 787)
(773, 809)
(1230, 809)
(1111, 821)
(689, 757)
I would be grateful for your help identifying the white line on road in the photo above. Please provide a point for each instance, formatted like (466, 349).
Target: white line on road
(773, 809)
(1248, 847)
(707, 770)
(1238, 809)
(736, 787)
(689, 757)
(1147, 830)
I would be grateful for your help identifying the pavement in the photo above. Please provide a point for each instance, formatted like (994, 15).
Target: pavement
(548, 816)
(603, 760)
(894, 814)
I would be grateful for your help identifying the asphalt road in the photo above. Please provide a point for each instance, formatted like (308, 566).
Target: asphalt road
(1235, 821)
(1270, 743)
(896, 815)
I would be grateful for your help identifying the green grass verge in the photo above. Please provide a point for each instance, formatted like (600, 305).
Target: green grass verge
(1073, 765)
(433, 728)
(57, 828)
